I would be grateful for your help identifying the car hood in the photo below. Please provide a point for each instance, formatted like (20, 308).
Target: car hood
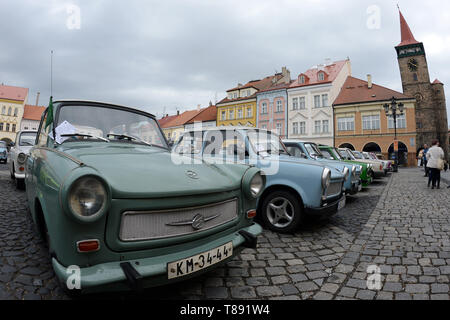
(135, 171)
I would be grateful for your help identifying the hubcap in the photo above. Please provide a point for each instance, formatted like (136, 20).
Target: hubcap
(280, 212)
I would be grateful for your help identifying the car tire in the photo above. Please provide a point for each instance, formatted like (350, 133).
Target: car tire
(20, 184)
(281, 212)
(12, 172)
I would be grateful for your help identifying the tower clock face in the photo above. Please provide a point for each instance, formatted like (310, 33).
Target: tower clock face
(413, 65)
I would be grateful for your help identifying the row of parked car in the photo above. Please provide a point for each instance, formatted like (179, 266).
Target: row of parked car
(110, 196)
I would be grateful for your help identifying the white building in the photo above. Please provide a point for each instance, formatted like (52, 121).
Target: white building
(31, 118)
(310, 100)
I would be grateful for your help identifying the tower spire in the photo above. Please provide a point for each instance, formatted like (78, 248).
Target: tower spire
(407, 36)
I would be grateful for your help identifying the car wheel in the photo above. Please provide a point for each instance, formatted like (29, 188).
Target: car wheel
(281, 212)
(20, 184)
(12, 173)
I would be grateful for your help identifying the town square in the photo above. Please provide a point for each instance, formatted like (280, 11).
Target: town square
(283, 179)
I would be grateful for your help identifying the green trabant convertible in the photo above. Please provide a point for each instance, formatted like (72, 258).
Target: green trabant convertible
(120, 212)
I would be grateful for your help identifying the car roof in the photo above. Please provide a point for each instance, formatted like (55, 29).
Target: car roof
(228, 128)
(296, 141)
(93, 102)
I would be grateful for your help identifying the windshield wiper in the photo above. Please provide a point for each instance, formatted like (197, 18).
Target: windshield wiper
(132, 138)
(84, 135)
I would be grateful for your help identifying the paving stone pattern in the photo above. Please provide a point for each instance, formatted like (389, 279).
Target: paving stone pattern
(397, 224)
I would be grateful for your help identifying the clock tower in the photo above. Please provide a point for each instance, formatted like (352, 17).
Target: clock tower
(431, 111)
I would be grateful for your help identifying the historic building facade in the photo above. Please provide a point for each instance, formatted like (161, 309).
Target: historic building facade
(310, 98)
(361, 122)
(431, 112)
(238, 108)
(31, 117)
(12, 102)
(272, 105)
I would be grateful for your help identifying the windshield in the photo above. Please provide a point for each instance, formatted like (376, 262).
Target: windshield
(313, 150)
(266, 143)
(337, 154)
(327, 154)
(346, 154)
(27, 139)
(98, 122)
(357, 155)
(366, 156)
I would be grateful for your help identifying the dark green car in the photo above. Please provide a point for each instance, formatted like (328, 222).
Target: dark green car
(119, 211)
(333, 154)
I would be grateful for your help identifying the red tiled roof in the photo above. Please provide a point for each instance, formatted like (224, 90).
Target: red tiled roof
(205, 114)
(33, 112)
(165, 120)
(180, 120)
(13, 93)
(407, 36)
(357, 91)
(277, 87)
(331, 72)
(257, 84)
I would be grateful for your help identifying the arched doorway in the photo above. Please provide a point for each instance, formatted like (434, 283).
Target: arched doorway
(372, 147)
(402, 153)
(348, 146)
(6, 142)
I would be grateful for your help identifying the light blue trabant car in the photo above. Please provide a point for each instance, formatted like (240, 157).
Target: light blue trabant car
(310, 150)
(295, 188)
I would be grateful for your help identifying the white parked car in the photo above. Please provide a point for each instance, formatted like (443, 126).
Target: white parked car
(25, 140)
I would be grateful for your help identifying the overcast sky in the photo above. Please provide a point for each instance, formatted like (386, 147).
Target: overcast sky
(168, 55)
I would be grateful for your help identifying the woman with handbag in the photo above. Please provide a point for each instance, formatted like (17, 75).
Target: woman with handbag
(435, 157)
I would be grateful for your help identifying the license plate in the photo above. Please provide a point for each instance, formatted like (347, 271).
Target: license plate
(200, 261)
(341, 204)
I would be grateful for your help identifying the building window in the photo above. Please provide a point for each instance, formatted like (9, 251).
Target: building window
(317, 126)
(401, 122)
(325, 126)
(295, 128)
(302, 79)
(248, 93)
(316, 101)
(346, 124)
(302, 127)
(4, 110)
(371, 122)
(302, 103)
(279, 126)
(235, 95)
(415, 77)
(224, 115)
(231, 114)
(7, 127)
(279, 106)
(13, 128)
(249, 112)
(26, 128)
(240, 114)
(16, 111)
(9, 111)
(321, 76)
(264, 108)
(230, 96)
(324, 100)
(295, 104)
(1, 126)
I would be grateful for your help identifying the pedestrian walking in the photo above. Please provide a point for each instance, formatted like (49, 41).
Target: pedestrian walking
(424, 158)
(435, 159)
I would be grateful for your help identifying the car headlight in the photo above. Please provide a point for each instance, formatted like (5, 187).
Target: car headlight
(346, 173)
(87, 198)
(326, 178)
(353, 171)
(256, 185)
(21, 157)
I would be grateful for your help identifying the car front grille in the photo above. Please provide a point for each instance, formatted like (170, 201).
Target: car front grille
(334, 189)
(150, 225)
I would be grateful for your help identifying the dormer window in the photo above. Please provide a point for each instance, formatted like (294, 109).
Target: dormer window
(321, 76)
(302, 79)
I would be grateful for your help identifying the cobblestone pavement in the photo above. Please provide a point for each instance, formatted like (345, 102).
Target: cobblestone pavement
(396, 224)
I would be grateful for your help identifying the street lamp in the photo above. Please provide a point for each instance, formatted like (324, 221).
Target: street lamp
(396, 109)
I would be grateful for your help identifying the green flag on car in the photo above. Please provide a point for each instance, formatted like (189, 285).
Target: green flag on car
(49, 119)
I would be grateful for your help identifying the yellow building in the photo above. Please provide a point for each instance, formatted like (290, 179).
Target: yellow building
(12, 103)
(239, 107)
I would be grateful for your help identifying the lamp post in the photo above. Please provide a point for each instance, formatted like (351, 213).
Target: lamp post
(394, 109)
